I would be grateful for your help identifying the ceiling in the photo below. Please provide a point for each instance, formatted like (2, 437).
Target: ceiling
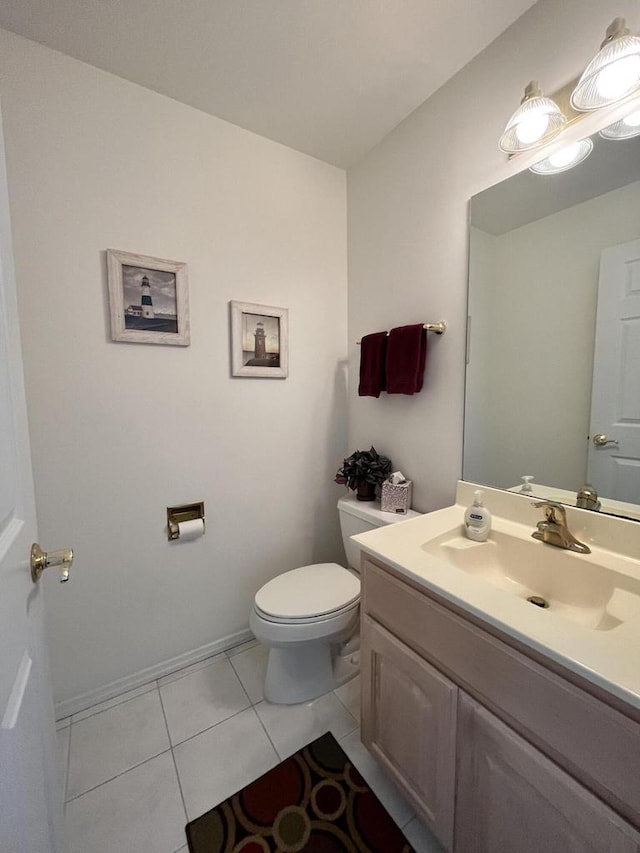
(326, 77)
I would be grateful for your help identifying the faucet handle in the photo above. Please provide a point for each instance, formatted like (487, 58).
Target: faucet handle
(553, 511)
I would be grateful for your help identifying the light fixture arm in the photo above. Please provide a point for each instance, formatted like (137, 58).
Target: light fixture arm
(532, 90)
(615, 30)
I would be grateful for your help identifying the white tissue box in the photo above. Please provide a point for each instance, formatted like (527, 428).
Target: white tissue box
(396, 497)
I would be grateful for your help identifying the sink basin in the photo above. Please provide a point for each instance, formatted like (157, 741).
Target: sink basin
(592, 590)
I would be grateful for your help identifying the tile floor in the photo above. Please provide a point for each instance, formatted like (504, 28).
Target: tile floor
(135, 769)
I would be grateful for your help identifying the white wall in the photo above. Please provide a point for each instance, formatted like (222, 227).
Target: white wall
(408, 227)
(121, 431)
(545, 279)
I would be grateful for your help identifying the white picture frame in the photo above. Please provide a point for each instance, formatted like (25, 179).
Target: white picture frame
(259, 340)
(148, 299)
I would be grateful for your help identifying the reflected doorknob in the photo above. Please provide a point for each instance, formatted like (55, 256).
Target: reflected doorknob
(601, 440)
(41, 560)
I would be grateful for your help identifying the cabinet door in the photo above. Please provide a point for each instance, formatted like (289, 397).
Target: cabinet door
(409, 724)
(511, 798)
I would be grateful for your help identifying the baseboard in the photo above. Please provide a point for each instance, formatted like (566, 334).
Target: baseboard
(92, 697)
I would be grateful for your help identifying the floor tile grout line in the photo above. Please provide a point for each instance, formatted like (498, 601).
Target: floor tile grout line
(235, 672)
(237, 675)
(118, 775)
(345, 706)
(208, 729)
(355, 719)
(149, 684)
(266, 730)
(173, 758)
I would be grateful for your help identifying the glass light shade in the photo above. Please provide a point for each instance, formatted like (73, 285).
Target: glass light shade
(612, 74)
(536, 121)
(565, 158)
(625, 128)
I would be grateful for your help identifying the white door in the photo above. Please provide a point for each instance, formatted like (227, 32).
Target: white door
(29, 809)
(614, 440)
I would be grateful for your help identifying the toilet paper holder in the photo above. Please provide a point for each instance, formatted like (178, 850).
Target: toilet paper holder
(179, 514)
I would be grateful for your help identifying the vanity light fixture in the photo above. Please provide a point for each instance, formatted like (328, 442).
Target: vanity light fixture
(536, 121)
(613, 73)
(565, 158)
(625, 128)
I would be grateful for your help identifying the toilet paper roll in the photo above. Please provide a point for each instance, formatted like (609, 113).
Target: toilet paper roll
(190, 529)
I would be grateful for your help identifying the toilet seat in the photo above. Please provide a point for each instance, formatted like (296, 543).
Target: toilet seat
(307, 594)
(305, 620)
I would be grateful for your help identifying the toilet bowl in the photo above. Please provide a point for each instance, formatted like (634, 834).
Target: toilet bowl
(309, 616)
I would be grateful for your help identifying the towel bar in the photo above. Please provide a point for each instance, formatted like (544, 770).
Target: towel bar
(439, 328)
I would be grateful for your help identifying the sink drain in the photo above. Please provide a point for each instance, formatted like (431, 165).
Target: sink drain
(539, 601)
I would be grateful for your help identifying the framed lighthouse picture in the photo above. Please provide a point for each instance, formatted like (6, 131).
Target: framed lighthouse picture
(148, 299)
(259, 340)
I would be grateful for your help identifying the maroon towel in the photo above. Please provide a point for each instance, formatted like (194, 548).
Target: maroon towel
(373, 350)
(406, 358)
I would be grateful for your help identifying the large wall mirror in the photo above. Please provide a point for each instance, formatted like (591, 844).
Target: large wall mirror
(553, 373)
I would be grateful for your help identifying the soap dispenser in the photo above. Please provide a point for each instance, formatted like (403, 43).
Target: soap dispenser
(477, 519)
(526, 486)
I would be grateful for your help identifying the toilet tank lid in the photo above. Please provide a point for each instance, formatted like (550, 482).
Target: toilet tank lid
(370, 511)
(308, 591)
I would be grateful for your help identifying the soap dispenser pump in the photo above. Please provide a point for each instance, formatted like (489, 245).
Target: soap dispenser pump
(477, 519)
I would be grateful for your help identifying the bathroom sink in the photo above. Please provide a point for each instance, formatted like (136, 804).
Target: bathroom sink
(592, 623)
(591, 590)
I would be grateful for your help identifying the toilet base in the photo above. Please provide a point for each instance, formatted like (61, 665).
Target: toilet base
(303, 673)
(298, 674)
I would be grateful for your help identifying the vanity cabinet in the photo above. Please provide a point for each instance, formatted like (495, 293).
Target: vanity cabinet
(409, 724)
(496, 751)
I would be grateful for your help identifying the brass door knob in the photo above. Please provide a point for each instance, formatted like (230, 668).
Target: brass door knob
(41, 560)
(601, 440)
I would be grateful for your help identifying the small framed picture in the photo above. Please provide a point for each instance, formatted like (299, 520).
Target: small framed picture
(259, 340)
(148, 299)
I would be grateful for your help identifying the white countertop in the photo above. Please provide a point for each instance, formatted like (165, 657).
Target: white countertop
(607, 658)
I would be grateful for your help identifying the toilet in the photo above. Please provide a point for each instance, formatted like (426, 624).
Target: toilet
(309, 616)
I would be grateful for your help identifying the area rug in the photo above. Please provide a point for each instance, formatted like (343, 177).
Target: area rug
(314, 801)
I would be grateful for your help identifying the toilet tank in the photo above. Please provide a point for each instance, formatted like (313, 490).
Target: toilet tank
(358, 517)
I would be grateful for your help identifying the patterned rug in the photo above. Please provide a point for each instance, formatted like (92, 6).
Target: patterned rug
(314, 801)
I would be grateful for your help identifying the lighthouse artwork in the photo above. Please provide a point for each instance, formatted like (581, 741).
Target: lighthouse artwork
(148, 299)
(259, 340)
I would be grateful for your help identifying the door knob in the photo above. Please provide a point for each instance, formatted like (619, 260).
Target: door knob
(41, 560)
(601, 440)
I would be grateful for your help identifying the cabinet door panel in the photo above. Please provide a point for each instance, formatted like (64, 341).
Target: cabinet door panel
(409, 724)
(511, 798)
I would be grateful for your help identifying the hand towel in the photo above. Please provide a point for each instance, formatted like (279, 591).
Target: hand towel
(406, 359)
(373, 351)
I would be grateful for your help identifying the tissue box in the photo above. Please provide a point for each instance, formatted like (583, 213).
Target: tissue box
(396, 498)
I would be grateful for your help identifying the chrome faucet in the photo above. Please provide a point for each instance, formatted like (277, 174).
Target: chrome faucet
(587, 498)
(554, 531)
